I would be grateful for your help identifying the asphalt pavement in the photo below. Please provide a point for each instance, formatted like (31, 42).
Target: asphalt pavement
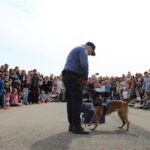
(45, 127)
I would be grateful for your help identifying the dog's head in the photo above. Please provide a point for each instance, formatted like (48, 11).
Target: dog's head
(97, 99)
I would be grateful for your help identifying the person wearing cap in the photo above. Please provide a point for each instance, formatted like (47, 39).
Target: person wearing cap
(75, 73)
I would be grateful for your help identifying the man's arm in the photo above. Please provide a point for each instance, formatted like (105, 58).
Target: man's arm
(84, 63)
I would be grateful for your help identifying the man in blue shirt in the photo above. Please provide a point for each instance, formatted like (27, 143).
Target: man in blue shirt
(75, 73)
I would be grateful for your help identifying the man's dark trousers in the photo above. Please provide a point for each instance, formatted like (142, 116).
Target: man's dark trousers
(74, 93)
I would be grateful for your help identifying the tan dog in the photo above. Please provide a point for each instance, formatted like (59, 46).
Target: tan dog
(113, 106)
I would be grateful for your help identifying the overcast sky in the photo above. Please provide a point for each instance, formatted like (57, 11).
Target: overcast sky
(40, 34)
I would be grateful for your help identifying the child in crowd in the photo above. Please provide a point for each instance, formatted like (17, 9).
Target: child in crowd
(7, 90)
(43, 98)
(14, 98)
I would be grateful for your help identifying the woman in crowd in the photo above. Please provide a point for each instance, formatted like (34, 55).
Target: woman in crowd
(24, 87)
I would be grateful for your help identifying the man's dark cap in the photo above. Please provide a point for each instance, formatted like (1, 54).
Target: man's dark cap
(93, 47)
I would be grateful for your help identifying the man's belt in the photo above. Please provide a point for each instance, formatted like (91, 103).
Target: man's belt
(71, 72)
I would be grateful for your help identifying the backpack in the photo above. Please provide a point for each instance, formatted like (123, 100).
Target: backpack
(88, 112)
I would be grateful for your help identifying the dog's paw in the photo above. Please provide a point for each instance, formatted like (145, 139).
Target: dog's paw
(93, 129)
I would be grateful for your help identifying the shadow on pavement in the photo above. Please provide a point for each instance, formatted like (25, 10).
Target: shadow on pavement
(57, 142)
(62, 141)
(116, 132)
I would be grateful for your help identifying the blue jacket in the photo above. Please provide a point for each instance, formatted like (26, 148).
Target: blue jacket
(1, 87)
(77, 61)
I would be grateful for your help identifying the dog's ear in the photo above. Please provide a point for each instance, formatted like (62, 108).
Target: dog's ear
(94, 95)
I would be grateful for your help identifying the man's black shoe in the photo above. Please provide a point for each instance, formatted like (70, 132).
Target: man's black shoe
(70, 128)
(79, 130)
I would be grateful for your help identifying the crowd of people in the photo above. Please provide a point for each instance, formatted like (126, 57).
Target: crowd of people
(132, 88)
(18, 87)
